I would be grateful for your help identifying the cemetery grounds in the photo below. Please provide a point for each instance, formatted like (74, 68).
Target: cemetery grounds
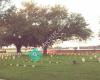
(50, 67)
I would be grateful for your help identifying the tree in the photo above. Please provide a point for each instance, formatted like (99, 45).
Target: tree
(19, 28)
(50, 19)
(34, 26)
(74, 26)
(15, 23)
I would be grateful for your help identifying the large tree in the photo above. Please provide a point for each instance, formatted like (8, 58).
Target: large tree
(50, 19)
(34, 26)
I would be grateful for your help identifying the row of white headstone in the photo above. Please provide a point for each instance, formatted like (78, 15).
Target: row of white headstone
(83, 59)
(14, 57)
(17, 65)
(8, 57)
(95, 56)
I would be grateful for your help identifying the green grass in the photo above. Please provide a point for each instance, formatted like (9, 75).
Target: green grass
(48, 68)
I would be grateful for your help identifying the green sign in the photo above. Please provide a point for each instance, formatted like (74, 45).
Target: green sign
(35, 54)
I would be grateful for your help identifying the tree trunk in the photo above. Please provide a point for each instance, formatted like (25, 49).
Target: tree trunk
(18, 48)
(45, 50)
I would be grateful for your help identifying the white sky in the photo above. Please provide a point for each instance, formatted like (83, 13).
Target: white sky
(88, 8)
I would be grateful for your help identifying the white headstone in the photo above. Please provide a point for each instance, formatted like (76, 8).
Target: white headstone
(13, 57)
(33, 66)
(10, 64)
(17, 65)
(56, 62)
(95, 56)
(83, 59)
(24, 65)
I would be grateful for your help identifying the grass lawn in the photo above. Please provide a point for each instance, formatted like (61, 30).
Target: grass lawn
(50, 68)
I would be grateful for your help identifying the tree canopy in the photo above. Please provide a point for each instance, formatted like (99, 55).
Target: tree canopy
(34, 25)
